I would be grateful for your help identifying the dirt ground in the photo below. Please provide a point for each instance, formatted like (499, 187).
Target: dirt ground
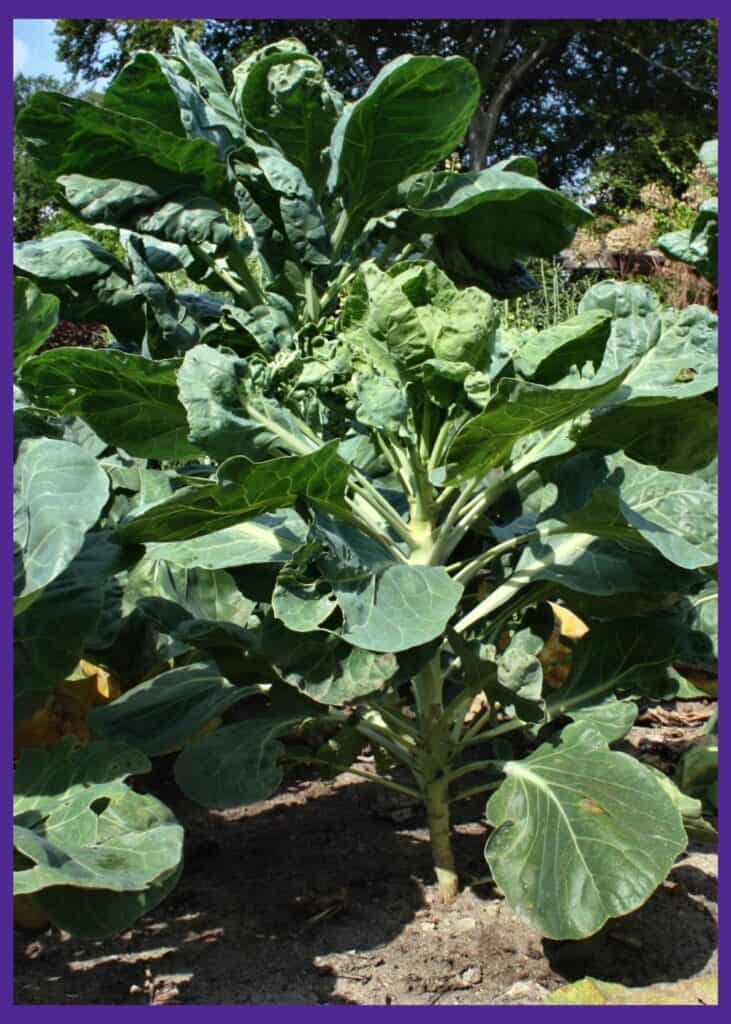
(325, 894)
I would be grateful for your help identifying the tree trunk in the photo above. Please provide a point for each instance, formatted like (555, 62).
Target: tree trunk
(485, 120)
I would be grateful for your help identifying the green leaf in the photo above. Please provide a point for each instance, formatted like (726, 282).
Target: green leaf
(548, 356)
(670, 355)
(680, 436)
(72, 136)
(243, 490)
(519, 680)
(281, 90)
(300, 602)
(208, 81)
(387, 606)
(130, 402)
(270, 538)
(92, 284)
(630, 654)
(113, 912)
(49, 637)
(301, 217)
(696, 628)
(495, 216)
(300, 605)
(143, 90)
(382, 404)
(182, 215)
(229, 416)
(697, 245)
(411, 320)
(211, 595)
(162, 714)
(611, 718)
(588, 565)
(322, 665)
(415, 112)
(609, 835)
(239, 764)
(616, 498)
(35, 317)
(517, 410)
(171, 329)
(79, 827)
(265, 329)
(58, 494)
(149, 88)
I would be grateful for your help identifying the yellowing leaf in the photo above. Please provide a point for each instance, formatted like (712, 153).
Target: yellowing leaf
(556, 656)
(93, 687)
(591, 992)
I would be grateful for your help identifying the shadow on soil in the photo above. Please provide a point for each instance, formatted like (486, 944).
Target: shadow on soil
(268, 893)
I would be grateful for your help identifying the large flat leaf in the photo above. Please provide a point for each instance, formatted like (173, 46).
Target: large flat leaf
(149, 88)
(208, 81)
(670, 355)
(622, 654)
(111, 912)
(72, 136)
(582, 834)
(130, 402)
(49, 636)
(495, 216)
(414, 113)
(386, 605)
(208, 594)
(59, 492)
(93, 286)
(35, 316)
(79, 827)
(680, 436)
(322, 665)
(611, 718)
(229, 416)
(239, 764)
(270, 538)
(616, 498)
(181, 215)
(549, 355)
(244, 489)
(697, 245)
(281, 91)
(517, 410)
(162, 714)
(603, 568)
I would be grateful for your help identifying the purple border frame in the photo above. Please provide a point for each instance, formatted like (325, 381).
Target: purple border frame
(266, 9)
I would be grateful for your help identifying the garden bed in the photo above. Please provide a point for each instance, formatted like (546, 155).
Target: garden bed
(324, 894)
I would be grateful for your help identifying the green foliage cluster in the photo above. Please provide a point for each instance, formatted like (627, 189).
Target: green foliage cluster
(559, 89)
(331, 486)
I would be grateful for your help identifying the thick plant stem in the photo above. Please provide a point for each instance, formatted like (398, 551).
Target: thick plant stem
(437, 810)
(434, 772)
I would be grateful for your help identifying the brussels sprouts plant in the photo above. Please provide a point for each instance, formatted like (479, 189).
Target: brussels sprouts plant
(344, 493)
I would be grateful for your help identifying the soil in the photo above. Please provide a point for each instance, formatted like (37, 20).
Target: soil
(325, 894)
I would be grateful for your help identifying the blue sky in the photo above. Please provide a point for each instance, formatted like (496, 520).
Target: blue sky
(34, 48)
